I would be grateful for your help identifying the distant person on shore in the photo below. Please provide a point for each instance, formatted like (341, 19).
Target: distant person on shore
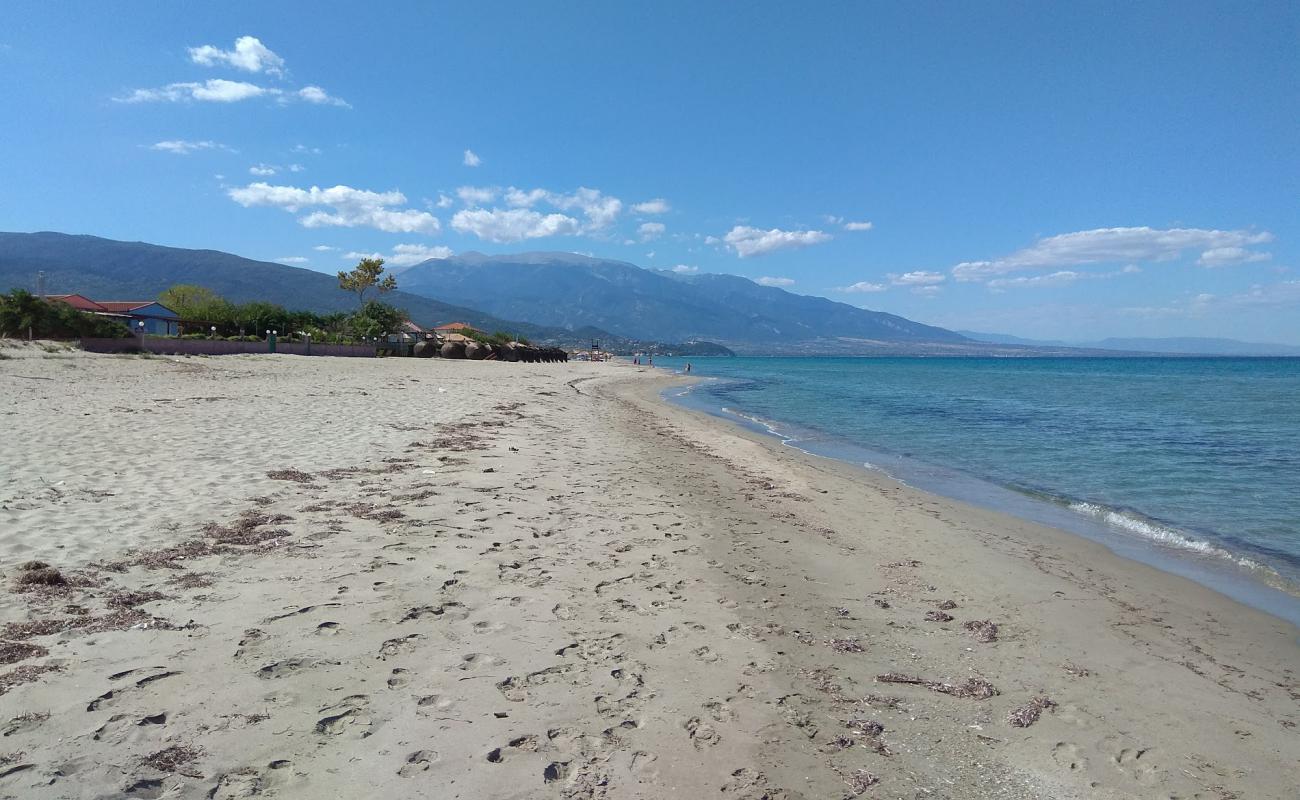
(688, 368)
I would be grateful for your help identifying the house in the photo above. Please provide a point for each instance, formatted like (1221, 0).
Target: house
(454, 326)
(79, 302)
(157, 319)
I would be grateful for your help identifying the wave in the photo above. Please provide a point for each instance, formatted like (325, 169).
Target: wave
(1164, 535)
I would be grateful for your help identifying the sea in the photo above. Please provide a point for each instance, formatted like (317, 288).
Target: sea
(1191, 465)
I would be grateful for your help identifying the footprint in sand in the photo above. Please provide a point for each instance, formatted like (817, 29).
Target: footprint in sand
(349, 713)
(1068, 756)
(433, 704)
(418, 762)
(328, 629)
(473, 661)
(703, 735)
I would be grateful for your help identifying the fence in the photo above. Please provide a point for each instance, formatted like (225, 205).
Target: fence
(218, 347)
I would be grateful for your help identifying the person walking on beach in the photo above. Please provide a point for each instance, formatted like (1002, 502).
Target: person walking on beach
(688, 368)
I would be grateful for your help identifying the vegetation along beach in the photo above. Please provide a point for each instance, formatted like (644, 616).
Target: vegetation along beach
(588, 401)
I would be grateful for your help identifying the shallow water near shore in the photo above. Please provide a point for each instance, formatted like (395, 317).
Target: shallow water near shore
(1186, 464)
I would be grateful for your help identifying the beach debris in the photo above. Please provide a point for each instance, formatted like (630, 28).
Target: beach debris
(13, 652)
(881, 602)
(133, 599)
(859, 781)
(974, 688)
(295, 475)
(937, 616)
(116, 621)
(947, 605)
(24, 674)
(983, 630)
(247, 529)
(1028, 714)
(845, 645)
(869, 731)
(38, 573)
(840, 742)
(882, 700)
(910, 562)
(1076, 670)
(171, 758)
(842, 612)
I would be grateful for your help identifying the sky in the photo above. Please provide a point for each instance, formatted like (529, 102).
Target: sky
(1055, 171)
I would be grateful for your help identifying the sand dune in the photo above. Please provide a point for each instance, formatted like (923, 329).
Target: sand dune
(480, 580)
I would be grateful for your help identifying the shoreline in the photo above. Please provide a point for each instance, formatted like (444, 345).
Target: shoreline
(1233, 574)
(474, 579)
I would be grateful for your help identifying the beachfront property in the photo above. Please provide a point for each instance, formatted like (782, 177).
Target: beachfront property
(141, 316)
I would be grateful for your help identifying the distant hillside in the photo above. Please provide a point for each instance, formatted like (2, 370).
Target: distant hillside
(1186, 345)
(113, 270)
(568, 290)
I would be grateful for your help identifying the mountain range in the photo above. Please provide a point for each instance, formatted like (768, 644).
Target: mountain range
(561, 298)
(567, 290)
(1177, 345)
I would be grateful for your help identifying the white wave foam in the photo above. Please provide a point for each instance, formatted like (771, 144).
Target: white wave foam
(1161, 534)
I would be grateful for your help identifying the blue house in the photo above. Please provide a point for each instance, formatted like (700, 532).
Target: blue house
(157, 319)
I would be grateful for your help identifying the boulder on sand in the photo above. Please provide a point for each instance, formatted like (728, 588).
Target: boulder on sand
(453, 350)
(425, 348)
(476, 351)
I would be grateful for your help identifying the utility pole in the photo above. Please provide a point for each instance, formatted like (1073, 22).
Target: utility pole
(40, 284)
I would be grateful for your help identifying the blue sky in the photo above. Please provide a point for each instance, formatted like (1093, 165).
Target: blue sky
(1042, 170)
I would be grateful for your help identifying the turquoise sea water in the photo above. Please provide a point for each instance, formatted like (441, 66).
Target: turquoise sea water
(1192, 464)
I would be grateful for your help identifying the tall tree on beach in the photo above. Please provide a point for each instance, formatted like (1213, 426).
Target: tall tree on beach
(364, 277)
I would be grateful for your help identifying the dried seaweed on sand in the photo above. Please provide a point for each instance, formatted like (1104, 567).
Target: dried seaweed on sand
(1028, 714)
(937, 616)
(170, 759)
(295, 475)
(974, 688)
(982, 629)
(13, 652)
(24, 674)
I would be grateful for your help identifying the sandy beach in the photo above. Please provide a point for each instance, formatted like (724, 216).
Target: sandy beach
(277, 576)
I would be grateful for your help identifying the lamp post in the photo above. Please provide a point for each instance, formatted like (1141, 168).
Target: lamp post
(214, 331)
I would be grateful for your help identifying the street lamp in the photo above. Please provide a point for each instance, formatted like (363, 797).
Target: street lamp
(214, 331)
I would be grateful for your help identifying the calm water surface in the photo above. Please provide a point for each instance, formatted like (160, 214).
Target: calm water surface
(1197, 458)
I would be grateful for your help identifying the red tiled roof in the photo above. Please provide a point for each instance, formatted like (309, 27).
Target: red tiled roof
(124, 305)
(454, 326)
(76, 301)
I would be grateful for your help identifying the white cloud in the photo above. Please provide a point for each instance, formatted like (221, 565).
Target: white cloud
(318, 96)
(858, 226)
(655, 206)
(747, 241)
(404, 255)
(217, 90)
(220, 90)
(1120, 244)
(472, 159)
(302, 148)
(1061, 278)
(296, 168)
(917, 278)
(348, 207)
(249, 54)
(513, 225)
(650, 230)
(685, 269)
(182, 147)
(1227, 256)
(323, 248)
(768, 281)
(444, 201)
(927, 291)
(356, 255)
(292, 260)
(863, 287)
(600, 209)
(261, 170)
(476, 195)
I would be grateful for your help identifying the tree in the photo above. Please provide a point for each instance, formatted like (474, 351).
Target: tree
(186, 299)
(366, 277)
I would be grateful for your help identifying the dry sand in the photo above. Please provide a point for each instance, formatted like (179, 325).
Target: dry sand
(481, 580)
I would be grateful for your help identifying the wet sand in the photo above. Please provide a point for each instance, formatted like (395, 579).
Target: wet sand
(482, 580)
